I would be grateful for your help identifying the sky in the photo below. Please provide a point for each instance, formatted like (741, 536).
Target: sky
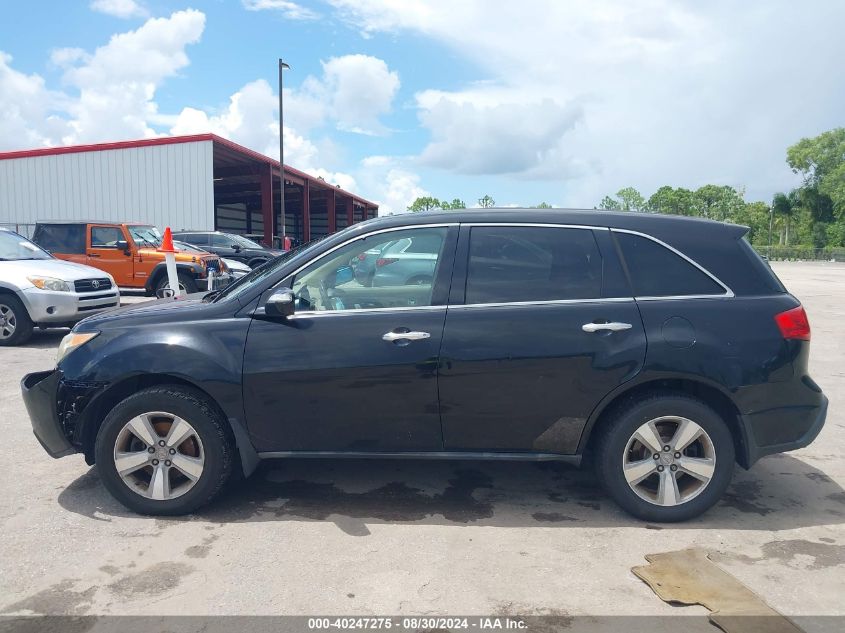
(555, 101)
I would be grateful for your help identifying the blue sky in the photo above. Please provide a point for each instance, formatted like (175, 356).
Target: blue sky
(543, 100)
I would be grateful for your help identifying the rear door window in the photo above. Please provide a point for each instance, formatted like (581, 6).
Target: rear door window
(511, 264)
(65, 239)
(657, 271)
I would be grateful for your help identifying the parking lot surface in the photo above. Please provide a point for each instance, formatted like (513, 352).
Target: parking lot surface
(417, 537)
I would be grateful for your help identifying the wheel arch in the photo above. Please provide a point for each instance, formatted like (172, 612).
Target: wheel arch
(711, 395)
(99, 407)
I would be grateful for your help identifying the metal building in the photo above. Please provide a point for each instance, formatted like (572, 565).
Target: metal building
(198, 182)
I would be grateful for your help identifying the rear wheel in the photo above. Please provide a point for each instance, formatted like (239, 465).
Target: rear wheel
(164, 451)
(667, 457)
(15, 324)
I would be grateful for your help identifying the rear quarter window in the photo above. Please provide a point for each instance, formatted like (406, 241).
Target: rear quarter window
(656, 271)
(64, 239)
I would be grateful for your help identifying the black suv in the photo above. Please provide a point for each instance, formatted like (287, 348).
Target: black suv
(663, 347)
(229, 245)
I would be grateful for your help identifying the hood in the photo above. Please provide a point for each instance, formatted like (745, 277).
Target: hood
(148, 312)
(181, 256)
(16, 272)
(234, 264)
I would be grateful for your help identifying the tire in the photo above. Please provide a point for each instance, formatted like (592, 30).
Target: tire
(211, 444)
(624, 444)
(186, 283)
(15, 324)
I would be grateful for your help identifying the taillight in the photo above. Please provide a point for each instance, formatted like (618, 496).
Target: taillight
(384, 261)
(362, 257)
(793, 324)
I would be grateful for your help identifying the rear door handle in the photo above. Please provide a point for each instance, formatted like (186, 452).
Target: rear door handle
(612, 327)
(407, 336)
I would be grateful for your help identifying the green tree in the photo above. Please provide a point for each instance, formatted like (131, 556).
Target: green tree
(425, 203)
(786, 206)
(543, 205)
(717, 202)
(671, 201)
(630, 199)
(456, 203)
(486, 202)
(821, 162)
(609, 203)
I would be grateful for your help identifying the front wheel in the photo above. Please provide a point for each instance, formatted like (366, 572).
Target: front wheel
(164, 451)
(666, 457)
(186, 283)
(15, 324)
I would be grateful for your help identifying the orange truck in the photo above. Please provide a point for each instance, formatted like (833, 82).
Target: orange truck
(128, 251)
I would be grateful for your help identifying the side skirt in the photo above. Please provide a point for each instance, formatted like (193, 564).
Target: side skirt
(456, 455)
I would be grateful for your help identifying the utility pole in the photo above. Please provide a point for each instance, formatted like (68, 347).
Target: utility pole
(282, 66)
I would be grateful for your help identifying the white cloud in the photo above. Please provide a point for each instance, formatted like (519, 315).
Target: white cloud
(361, 89)
(389, 181)
(288, 9)
(671, 92)
(119, 8)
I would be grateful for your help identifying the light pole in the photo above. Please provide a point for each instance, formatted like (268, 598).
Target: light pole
(282, 66)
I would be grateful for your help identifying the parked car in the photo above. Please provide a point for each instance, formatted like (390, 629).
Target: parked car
(408, 261)
(236, 269)
(230, 246)
(128, 252)
(38, 290)
(661, 346)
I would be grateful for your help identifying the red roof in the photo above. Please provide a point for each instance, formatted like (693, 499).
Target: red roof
(173, 140)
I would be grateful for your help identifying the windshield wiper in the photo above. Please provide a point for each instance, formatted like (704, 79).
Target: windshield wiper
(209, 296)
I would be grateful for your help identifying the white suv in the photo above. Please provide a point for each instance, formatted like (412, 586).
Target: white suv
(36, 289)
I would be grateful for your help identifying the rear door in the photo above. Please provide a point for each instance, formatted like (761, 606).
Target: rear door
(106, 252)
(541, 326)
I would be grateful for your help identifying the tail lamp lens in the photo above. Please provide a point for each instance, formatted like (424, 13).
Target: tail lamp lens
(794, 324)
(384, 261)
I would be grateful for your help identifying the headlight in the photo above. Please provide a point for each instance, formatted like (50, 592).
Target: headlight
(72, 341)
(49, 283)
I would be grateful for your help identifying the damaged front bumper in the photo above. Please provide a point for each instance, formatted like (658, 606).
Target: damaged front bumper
(54, 407)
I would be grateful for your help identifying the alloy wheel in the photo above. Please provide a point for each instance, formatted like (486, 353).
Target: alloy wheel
(8, 321)
(159, 455)
(669, 460)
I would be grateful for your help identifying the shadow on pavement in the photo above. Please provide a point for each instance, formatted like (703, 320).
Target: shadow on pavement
(779, 493)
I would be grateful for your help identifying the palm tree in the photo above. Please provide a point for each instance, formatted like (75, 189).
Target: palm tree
(786, 205)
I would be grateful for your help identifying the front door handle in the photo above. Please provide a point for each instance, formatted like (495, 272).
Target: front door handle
(611, 327)
(406, 336)
(93, 254)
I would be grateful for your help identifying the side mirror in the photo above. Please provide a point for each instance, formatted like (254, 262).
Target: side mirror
(236, 247)
(280, 304)
(123, 245)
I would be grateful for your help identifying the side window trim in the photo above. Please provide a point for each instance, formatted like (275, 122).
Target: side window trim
(727, 294)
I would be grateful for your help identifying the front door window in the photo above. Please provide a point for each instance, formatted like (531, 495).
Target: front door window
(395, 269)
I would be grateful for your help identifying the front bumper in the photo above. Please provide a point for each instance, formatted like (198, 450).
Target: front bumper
(49, 307)
(40, 396)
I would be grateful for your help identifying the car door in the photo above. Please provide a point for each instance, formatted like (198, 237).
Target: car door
(540, 327)
(107, 250)
(355, 368)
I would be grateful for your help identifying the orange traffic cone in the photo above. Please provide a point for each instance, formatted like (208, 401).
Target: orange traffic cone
(166, 242)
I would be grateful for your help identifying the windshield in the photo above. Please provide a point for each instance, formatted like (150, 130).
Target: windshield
(257, 275)
(14, 247)
(188, 248)
(145, 235)
(245, 242)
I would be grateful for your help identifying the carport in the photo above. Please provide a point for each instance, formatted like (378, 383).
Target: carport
(247, 198)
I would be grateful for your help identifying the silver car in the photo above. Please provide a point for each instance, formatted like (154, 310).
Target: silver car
(36, 289)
